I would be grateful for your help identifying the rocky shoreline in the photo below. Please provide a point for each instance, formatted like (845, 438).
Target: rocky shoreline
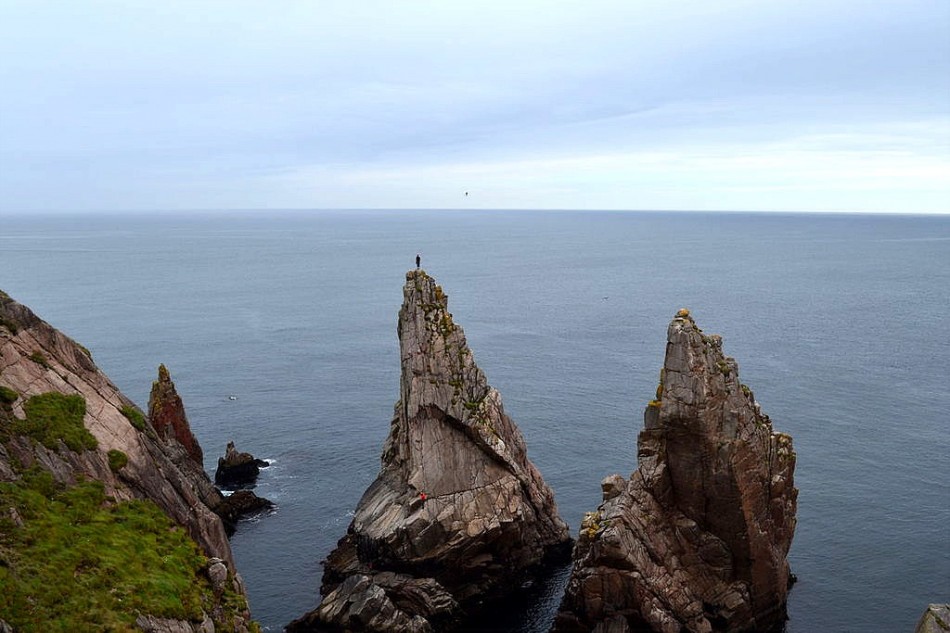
(458, 519)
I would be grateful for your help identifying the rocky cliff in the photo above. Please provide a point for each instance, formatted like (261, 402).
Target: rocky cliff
(457, 512)
(69, 435)
(696, 540)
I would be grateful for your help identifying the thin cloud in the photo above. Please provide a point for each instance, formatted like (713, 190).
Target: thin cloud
(184, 105)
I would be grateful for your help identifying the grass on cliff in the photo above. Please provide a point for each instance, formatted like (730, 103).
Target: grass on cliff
(134, 416)
(80, 564)
(54, 416)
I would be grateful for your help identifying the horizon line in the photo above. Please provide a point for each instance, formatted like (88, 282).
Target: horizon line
(248, 210)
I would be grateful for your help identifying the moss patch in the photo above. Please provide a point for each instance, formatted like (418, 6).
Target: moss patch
(117, 460)
(134, 415)
(54, 416)
(39, 358)
(10, 324)
(7, 395)
(81, 564)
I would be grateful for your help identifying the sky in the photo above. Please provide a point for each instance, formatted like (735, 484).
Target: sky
(798, 105)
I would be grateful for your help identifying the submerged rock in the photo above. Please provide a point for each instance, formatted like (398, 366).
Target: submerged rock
(457, 504)
(239, 504)
(696, 540)
(237, 469)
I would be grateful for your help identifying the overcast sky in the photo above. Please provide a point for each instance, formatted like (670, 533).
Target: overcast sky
(839, 105)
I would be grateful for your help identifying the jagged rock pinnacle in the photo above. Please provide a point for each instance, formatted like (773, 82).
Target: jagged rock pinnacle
(457, 505)
(166, 414)
(697, 539)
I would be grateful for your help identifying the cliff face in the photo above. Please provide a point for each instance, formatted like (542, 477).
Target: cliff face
(64, 417)
(696, 540)
(457, 511)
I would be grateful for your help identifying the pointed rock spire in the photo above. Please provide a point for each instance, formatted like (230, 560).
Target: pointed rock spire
(457, 504)
(697, 539)
(166, 414)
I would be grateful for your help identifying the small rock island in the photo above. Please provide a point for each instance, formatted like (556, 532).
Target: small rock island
(237, 469)
(696, 540)
(457, 513)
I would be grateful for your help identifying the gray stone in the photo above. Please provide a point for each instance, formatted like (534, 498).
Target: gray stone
(151, 624)
(217, 574)
(456, 498)
(697, 540)
(936, 619)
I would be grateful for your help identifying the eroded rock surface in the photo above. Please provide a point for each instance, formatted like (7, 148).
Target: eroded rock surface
(131, 458)
(696, 540)
(166, 414)
(457, 504)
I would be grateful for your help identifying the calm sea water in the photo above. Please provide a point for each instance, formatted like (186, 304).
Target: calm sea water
(839, 324)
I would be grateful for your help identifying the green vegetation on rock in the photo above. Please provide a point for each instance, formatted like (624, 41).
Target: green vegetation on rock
(39, 358)
(117, 460)
(7, 395)
(76, 562)
(53, 416)
(135, 416)
(10, 324)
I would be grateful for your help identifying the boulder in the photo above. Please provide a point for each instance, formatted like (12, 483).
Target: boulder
(697, 539)
(237, 469)
(457, 504)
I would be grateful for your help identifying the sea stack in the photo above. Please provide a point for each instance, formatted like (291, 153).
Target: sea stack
(696, 540)
(166, 414)
(458, 513)
(237, 469)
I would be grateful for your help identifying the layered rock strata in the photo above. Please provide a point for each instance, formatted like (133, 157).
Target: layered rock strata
(696, 540)
(117, 445)
(457, 512)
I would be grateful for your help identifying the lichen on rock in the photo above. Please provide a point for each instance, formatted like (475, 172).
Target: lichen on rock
(697, 539)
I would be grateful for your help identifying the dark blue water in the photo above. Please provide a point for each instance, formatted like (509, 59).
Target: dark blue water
(839, 323)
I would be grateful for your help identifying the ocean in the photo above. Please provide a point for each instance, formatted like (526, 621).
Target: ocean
(840, 325)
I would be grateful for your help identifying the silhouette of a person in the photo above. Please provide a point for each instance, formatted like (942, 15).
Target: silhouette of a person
(418, 260)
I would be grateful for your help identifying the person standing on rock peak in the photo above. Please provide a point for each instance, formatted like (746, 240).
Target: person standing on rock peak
(418, 260)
